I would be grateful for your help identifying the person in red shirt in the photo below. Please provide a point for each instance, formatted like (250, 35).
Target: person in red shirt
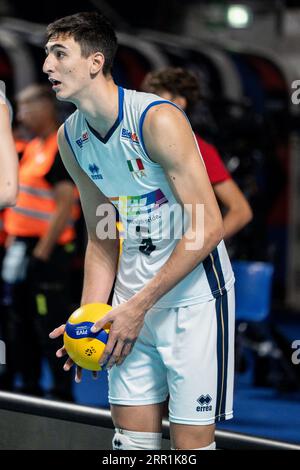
(182, 88)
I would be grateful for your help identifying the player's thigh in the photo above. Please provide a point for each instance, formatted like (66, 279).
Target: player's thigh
(184, 436)
(143, 418)
(200, 369)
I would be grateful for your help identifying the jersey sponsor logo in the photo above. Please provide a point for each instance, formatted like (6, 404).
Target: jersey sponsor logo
(130, 207)
(204, 402)
(83, 139)
(94, 172)
(131, 136)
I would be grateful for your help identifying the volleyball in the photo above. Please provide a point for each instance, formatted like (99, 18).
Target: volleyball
(84, 347)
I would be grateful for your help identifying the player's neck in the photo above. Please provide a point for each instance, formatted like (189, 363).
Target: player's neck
(100, 105)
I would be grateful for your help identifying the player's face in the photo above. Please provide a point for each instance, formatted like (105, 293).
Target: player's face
(67, 69)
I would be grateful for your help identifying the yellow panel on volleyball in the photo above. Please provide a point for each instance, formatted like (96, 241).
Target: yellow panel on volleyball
(84, 347)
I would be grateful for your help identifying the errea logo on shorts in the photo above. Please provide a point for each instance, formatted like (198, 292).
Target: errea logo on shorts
(204, 402)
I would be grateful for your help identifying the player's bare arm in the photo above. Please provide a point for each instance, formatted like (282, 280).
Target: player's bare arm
(8, 160)
(169, 142)
(101, 255)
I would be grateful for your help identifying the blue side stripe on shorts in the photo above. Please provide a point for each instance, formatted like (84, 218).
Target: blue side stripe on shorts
(219, 356)
(224, 301)
(218, 266)
(214, 276)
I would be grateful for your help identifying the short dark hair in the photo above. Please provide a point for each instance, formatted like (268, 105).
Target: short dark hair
(92, 30)
(175, 80)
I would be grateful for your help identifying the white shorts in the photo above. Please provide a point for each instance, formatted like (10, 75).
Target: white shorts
(186, 353)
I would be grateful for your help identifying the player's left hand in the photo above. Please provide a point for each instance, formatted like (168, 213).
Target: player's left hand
(126, 322)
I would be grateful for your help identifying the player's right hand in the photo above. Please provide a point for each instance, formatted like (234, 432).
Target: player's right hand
(62, 352)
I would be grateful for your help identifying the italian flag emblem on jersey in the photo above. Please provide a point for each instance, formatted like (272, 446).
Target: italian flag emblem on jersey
(135, 165)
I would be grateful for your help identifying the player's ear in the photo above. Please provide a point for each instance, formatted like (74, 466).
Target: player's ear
(97, 62)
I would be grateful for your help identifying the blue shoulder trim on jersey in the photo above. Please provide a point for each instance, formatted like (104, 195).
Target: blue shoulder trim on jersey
(121, 103)
(105, 139)
(69, 142)
(142, 119)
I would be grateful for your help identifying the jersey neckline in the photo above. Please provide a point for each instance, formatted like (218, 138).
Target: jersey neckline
(106, 138)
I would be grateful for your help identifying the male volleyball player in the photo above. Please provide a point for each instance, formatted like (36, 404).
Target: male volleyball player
(173, 315)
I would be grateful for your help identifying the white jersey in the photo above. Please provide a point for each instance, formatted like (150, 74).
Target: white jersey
(121, 168)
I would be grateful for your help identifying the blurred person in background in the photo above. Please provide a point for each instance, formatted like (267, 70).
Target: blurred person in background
(181, 86)
(36, 267)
